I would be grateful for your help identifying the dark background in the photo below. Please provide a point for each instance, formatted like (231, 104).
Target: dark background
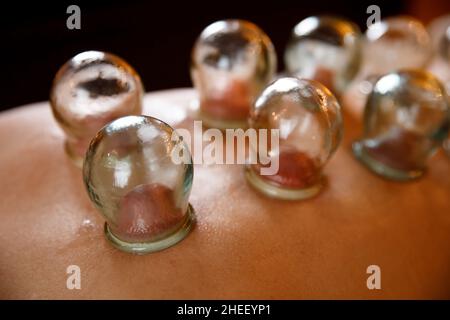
(155, 37)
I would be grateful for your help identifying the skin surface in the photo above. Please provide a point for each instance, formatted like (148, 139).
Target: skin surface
(243, 246)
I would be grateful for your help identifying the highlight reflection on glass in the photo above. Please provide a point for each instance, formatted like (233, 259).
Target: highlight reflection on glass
(132, 179)
(406, 118)
(309, 121)
(90, 90)
(232, 61)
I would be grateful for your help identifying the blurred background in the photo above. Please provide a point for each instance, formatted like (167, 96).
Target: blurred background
(155, 37)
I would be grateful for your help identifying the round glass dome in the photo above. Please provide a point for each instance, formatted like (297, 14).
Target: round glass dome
(232, 61)
(90, 90)
(138, 173)
(395, 43)
(326, 49)
(406, 118)
(308, 120)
